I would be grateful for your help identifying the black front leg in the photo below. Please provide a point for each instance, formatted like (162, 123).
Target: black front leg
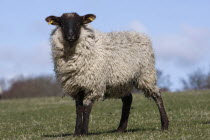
(79, 117)
(86, 116)
(127, 101)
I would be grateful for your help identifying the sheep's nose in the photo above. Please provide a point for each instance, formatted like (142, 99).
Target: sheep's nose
(71, 37)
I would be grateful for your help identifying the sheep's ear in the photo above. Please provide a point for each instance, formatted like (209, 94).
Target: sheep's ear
(53, 20)
(88, 18)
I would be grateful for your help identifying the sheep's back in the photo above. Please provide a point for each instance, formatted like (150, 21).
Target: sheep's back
(127, 54)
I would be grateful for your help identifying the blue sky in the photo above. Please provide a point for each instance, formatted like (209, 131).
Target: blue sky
(180, 31)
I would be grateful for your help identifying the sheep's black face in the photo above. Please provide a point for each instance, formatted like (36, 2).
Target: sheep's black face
(70, 24)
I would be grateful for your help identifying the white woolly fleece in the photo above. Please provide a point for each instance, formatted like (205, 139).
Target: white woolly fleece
(104, 65)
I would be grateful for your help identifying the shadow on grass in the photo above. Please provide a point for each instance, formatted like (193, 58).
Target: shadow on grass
(128, 131)
(208, 122)
(99, 133)
(57, 135)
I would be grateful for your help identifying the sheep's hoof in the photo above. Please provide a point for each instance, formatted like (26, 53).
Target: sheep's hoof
(121, 130)
(78, 134)
(165, 126)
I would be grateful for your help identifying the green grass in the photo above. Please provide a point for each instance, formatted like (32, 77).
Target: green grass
(54, 118)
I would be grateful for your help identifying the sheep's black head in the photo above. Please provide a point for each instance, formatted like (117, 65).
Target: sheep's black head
(70, 24)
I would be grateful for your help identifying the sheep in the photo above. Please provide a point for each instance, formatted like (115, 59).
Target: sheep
(92, 65)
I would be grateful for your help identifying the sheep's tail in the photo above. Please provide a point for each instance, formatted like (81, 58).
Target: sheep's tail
(147, 83)
(151, 91)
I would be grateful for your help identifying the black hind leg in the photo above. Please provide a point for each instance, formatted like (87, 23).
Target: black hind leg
(127, 101)
(163, 116)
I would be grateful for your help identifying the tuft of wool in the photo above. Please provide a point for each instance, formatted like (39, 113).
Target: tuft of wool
(104, 65)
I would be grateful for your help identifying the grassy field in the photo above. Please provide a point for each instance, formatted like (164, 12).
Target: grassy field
(54, 118)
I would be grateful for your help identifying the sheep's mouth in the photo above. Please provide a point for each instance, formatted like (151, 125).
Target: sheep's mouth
(71, 41)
